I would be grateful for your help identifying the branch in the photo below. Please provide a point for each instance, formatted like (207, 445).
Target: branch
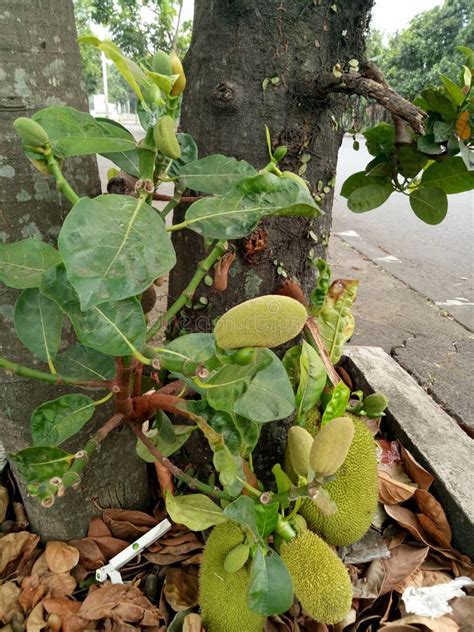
(384, 95)
(312, 327)
(124, 184)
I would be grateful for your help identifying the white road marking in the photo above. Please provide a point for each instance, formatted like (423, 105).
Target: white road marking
(348, 233)
(455, 302)
(388, 259)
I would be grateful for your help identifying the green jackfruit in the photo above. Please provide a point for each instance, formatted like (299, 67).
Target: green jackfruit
(30, 132)
(161, 63)
(266, 321)
(165, 138)
(331, 446)
(375, 404)
(299, 446)
(354, 490)
(320, 580)
(223, 595)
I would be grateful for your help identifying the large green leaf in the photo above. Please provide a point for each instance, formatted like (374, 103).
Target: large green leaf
(336, 406)
(269, 395)
(369, 197)
(41, 463)
(311, 383)
(267, 518)
(225, 387)
(215, 174)
(242, 511)
(75, 133)
(357, 181)
(167, 448)
(451, 176)
(126, 160)
(82, 363)
(55, 421)
(23, 262)
(271, 588)
(38, 323)
(238, 212)
(115, 328)
(186, 353)
(197, 512)
(113, 246)
(429, 204)
(335, 320)
(380, 139)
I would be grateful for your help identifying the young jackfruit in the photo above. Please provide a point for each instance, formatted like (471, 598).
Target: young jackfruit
(320, 579)
(299, 446)
(266, 321)
(223, 595)
(331, 445)
(354, 490)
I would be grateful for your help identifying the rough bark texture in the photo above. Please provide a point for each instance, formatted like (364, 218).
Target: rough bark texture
(235, 47)
(40, 66)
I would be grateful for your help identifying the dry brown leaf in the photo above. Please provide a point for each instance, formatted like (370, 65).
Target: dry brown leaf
(98, 528)
(110, 546)
(399, 627)
(424, 579)
(392, 491)
(181, 589)
(91, 557)
(165, 479)
(194, 559)
(21, 518)
(9, 604)
(121, 603)
(128, 525)
(164, 560)
(440, 624)
(61, 606)
(403, 561)
(61, 557)
(369, 586)
(16, 547)
(429, 506)
(433, 532)
(192, 623)
(3, 502)
(32, 591)
(35, 621)
(415, 471)
(463, 610)
(58, 584)
(182, 549)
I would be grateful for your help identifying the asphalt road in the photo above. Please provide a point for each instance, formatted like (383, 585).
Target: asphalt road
(436, 261)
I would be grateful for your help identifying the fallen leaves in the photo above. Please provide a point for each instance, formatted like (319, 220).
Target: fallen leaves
(119, 603)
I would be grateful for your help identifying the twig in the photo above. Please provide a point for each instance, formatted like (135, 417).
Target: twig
(24, 371)
(312, 327)
(62, 183)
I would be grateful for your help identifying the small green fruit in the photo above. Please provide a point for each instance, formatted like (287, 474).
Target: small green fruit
(244, 356)
(30, 132)
(373, 405)
(330, 446)
(177, 68)
(266, 321)
(280, 152)
(223, 595)
(237, 558)
(320, 580)
(161, 63)
(299, 447)
(165, 138)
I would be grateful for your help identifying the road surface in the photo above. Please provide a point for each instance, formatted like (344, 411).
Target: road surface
(436, 261)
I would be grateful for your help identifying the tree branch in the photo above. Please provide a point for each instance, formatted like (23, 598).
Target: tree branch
(384, 95)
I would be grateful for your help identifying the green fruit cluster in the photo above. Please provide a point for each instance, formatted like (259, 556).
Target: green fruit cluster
(320, 579)
(223, 595)
(354, 490)
(266, 321)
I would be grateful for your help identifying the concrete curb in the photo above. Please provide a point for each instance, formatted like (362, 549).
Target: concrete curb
(433, 437)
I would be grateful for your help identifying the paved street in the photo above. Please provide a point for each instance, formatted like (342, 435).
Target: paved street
(437, 261)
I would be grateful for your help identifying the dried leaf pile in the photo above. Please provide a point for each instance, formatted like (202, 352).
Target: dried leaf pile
(53, 587)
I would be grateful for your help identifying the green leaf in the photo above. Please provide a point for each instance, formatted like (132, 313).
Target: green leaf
(82, 363)
(357, 181)
(283, 483)
(291, 362)
(116, 328)
(214, 174)
(380, 139)
(311, 384)
(429, 204)
(239, 211)
(75, 133)
(167, 448)
(197, 512)
(229, 468)
(411, 161)
(125, 160)
(442, 131)
(249, 432)
(242, 510)
(55, 421)
(428, 145)
(41, 463)
(186, 353)
(454, 91)
(223, 423)
(267, 518)
(113, 247)
(369, 197)
(189, 153)
(436, 102)
(336, 407)
(451, 175)
(269, 395)
(271, 588)
(320, 290)
(23, 262)
(335, 321)
(38, 323)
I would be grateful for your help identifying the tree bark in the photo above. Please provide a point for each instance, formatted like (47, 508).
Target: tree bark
(236, 49)
(41, 67)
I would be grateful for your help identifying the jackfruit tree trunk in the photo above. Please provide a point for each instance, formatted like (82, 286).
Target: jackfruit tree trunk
(253, 64)
(40, 66)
